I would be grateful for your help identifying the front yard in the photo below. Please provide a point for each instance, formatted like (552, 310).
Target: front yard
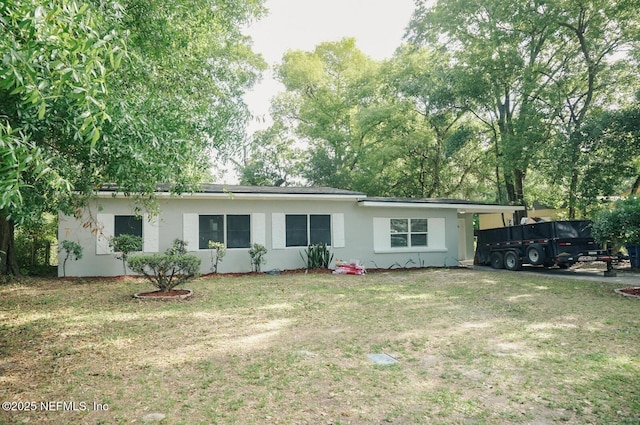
(473, 347)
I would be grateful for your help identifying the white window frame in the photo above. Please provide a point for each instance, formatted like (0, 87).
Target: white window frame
(106, 230)
(410, 232)
(308, 220)
(436, 240)
(279, 229)
(191, 229)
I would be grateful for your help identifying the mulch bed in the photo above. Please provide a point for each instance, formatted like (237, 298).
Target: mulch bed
(174, 294)
(634, 292)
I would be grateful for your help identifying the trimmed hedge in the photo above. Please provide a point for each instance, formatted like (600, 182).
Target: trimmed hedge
(168, 270)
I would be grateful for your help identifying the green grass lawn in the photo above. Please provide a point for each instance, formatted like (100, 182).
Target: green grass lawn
(473, 348)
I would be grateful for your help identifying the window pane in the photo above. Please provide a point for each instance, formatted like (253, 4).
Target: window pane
(398, 240)
(399, 225)
(238, 231)
(419, 239)
(418, 225)
(320, 229)
(128, 225)
(296, 230)
(211, 229)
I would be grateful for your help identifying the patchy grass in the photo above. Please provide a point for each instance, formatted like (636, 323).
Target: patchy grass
(473, 347)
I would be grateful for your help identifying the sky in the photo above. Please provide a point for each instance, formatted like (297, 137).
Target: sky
(377, 26)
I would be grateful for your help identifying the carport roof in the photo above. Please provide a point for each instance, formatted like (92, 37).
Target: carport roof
(461, 205)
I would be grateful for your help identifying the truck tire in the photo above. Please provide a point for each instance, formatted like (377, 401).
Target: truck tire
(512, 261)
(497, 260)
(536, 255)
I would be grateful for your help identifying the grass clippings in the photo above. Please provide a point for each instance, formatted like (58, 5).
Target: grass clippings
(473, 347)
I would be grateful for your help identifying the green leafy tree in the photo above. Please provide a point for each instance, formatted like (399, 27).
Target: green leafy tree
(327, 91)
(33, 242)
(611, 142)
(57, 57)
(594, 73)
(534, 71)
(397, 128)
(501, 64)
(94, 93)
(272, 158)
(619, 225)
(430, 146)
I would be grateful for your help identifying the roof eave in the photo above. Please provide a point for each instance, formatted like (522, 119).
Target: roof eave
(461, 208)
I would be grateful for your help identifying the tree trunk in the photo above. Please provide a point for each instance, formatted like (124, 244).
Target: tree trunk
(636, 186)
(573, 187)
(519, 194)
(8, 262)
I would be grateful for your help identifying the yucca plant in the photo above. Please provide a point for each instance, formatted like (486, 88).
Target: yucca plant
(317, 256)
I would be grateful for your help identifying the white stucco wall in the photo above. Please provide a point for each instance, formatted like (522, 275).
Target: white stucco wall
(361, 227)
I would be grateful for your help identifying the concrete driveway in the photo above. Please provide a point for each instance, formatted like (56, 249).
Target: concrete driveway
(625, 277)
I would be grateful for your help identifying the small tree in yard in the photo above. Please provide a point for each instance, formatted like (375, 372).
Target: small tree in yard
(257, 253)
(168, 270)
(125, 244)
(217, 252)
(71, 248)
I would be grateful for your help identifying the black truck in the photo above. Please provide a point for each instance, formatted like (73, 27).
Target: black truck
(550, 243)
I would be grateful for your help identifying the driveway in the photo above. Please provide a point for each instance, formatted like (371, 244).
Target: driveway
(625, 277)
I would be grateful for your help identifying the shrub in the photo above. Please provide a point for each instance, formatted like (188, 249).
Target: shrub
(168, 270)
(33, 241)
(318, 256)
(179, 247)
(125, 244)
(71, 248)
(619, 225)
(257, 253)
(217, 252)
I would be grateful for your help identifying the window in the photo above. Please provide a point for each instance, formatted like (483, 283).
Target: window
(408, 232)
(127, 225)
(304, 230)
(212, 228)
(320, 229)
(111, 225)
(296, 226)
(393, 235)
(238, 231)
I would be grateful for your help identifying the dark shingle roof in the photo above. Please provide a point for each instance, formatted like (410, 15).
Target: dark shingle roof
(274, 190)
(312, 190)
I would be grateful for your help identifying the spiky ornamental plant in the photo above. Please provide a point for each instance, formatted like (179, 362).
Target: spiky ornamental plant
(257, 253)
(318, 256)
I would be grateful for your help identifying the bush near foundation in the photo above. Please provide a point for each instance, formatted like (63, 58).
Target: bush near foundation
(168, 270)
